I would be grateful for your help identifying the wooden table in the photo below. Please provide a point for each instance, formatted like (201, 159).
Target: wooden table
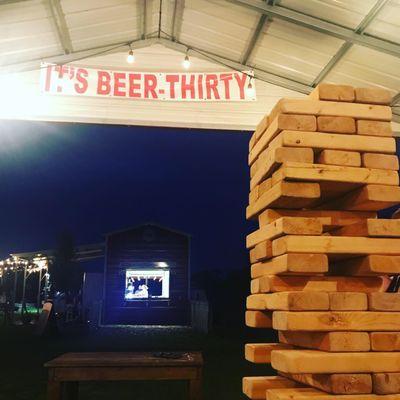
(66, 371)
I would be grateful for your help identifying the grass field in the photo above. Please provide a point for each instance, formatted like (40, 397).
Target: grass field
(23, 355)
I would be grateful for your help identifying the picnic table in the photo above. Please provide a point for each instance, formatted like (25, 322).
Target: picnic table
(67, 370)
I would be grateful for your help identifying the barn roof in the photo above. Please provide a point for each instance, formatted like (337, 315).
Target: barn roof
(147, 224)
(290, 43)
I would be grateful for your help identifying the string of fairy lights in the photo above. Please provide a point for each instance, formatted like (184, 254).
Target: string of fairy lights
(16, 264)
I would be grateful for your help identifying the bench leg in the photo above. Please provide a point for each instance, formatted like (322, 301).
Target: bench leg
(71, 390)
(195, 389)
(54, 390)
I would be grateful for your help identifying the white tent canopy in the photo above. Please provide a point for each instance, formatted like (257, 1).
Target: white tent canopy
(291, 45)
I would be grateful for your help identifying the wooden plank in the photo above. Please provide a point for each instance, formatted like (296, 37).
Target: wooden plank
(320, 362)
(254, 168)
(385, 341)
(261, 352)
(374, 128)
(335, 245)
(368, 265)
(285, 226)
(291, 264)
(371, 227)
(384, 301)
(348, 301)
(295, 301)
(270, 160)
(336, 321)
(278, 283)
(335, 383)
(255, 387)
(253, 195)
(367, 198)
(330, 92)
(373, 96)
(258, 319)
(327, 341)
(315, 394)
(334, 173)
(386, 383)
(327, 217)
(285, 195)
(335, 141)
(339, 157)
(336, 124)
(260, 129)
(279, 123)
(261, 251)
(382, 161)
(252, 141)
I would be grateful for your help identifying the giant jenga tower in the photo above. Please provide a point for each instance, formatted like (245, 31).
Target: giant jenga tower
(321, 168)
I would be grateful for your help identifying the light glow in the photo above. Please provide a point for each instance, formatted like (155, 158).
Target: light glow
(131, 57)
(146, 284)
(186, 62)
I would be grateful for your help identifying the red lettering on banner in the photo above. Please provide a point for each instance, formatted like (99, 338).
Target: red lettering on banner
(62, 69)
(172, 79)
(150, 84)
(188, 86)
(48, 78)
(200, 86)
(119, 83)
(226, 78)
(241, 81)
(82, 85)
(103, 82)
(133, 87)
(212, 85)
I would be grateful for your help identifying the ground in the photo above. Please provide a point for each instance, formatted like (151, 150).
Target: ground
(23, 355)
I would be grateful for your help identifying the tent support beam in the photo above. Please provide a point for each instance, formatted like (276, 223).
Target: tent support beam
(61, 26)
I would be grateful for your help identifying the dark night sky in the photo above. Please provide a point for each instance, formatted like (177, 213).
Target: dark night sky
(92, 179)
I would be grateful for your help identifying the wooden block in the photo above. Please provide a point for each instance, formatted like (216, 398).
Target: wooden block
(373, 96)
(315, 394)
(327, 217)
(270, 160)
(368, 265)
(327, 341)
(384, 301)
(261, 352)
(252, 141)
(335, 141)
(348, 301)
(380, 161)
(329, 92)
(374, 128)
(335, 109)
(335, 245)
(278, 283)
(254, 168)
(385, 341)
(285, 195)
(262, 251)
(285, 226)
(334, 173)
(386, 383)
(336, 124)
(372, 227)
(367, 198)
(336, 321)
(296, 301)
(264, 186)
(279, 123)
(258, 319)
(292, 264)
(320, 362)
(260, 129)
(255, 387)
(339, 157)
(335, 383)
(253, 195)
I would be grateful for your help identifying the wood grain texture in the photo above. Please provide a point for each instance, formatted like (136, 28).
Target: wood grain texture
(255, 387)
(374, 128)
(386, 383)
(330, 92)
(258, 319)
(336, 124)
(339, 157)
(380, 161)
(261, 352)
(385, 341)
(368, 265)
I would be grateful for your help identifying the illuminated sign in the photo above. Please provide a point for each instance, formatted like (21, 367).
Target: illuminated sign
(146, 284)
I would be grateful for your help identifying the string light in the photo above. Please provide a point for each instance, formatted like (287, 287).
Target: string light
(131, 57)
(186, 62)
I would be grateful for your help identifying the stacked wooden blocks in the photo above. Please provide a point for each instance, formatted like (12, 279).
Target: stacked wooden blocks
(321, 168)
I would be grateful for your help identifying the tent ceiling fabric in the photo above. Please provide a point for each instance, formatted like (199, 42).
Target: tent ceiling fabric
(289, 43)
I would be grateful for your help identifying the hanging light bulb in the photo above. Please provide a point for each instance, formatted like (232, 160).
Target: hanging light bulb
(250, 91)
(186, 61)
(131, 57)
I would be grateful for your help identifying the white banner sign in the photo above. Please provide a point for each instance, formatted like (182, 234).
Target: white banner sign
(168, 86)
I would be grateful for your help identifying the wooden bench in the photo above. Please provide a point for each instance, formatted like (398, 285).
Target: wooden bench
(66, 371)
